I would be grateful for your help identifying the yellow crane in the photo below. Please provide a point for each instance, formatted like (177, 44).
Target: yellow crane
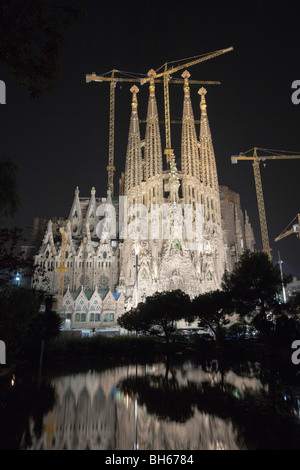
(113, 80)
(259, 191)
(61, 268)
(166, 74)
(294, 229)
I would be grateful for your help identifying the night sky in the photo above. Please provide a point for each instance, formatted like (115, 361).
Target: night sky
(62, 142)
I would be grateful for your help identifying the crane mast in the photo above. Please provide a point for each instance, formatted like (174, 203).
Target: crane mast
(111, 146)
(259, 191)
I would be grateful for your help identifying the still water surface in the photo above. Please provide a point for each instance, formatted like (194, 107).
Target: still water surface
(183, 406)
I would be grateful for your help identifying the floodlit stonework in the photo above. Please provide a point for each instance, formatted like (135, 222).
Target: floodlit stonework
(173, 226)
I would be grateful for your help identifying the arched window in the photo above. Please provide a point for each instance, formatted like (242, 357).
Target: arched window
(95, 306)
(68, 305)
(109, 317)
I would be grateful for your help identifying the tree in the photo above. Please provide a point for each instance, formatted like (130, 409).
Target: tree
(212, 310)
(32, 38)
(158, 315)
(293, 304)
(11, 258)
(166, 309)
(136, 320)
(22, 324)
(253, 284)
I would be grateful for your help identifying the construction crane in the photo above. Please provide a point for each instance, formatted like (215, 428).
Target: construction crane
(61, 268)
(166, 74)
(259, 191)
(113, 80)
(294, 229)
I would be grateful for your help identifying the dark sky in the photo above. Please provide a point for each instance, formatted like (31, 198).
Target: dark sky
(62, 142)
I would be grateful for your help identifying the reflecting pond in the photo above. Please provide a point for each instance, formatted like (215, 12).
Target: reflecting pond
(185, 405)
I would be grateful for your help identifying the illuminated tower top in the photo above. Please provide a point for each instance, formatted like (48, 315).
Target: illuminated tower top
(208, 169)
(189, 143)
(153, 152)
(133, 167)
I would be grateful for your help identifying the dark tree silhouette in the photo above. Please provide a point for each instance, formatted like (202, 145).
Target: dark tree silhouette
(158, 315)
(33, 35)
(253, 284)
(212, 309)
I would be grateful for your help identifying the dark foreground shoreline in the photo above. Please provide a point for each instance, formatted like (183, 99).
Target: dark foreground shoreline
(105, 352)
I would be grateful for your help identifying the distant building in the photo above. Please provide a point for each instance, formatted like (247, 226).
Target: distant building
(292, 288)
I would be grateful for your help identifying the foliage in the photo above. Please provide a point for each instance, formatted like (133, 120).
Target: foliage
(22, 324)
(11, 258)
(32, 38)
(253, 284)
(46, 324)
(135, 319)
(158, 315)
(293, 304)
(165, 309)
(236, 329)
(212, 310)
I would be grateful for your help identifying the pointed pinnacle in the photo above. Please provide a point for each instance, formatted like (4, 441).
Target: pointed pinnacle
(151, 75)
(202, 92)
(134, 90)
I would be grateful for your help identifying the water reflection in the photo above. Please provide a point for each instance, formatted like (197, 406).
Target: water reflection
(163, 407)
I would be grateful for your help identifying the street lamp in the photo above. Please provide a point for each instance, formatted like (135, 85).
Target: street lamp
(18, 279)
(137, 250)
(282, 282)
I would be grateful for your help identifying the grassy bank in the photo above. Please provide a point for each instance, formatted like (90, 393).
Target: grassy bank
(120, 349)
(113, 349)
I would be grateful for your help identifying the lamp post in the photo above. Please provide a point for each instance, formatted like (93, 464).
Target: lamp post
(281, 274)
(18, 279)
(137, 250)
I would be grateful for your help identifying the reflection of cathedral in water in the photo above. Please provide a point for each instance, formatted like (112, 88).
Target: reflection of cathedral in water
(92, 412)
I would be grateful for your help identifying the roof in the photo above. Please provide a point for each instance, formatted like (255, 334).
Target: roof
(116, 295)
(89, 293)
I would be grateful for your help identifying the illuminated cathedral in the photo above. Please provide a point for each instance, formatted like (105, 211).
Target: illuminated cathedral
(173, 226)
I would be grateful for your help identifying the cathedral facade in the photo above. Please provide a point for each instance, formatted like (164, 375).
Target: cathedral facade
(172, 227)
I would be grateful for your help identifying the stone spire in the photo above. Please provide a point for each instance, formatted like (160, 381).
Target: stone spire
(189, 143)
(153, 153)
(133, 167)
(92, 208)
(208, 169)
(75, 215)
